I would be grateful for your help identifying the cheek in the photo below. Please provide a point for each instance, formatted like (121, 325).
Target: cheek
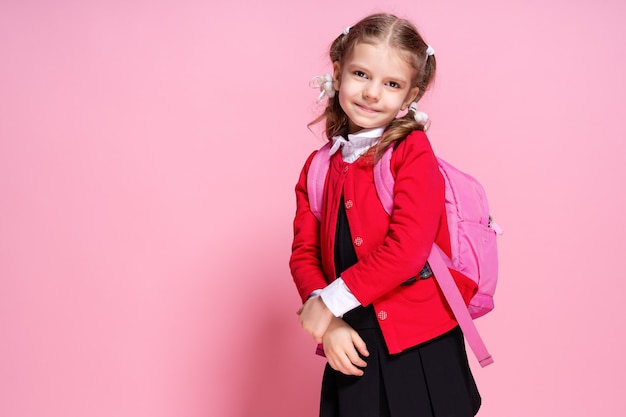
(344, 94)
(349, 89)
(342, 99)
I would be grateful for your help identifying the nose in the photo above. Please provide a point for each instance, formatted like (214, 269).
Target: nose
(371, 92)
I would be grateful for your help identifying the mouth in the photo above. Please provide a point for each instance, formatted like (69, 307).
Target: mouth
(366, 109)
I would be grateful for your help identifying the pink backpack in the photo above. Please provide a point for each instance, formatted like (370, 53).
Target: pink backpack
(472, 238)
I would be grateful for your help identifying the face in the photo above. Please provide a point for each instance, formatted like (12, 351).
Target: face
(374, 84)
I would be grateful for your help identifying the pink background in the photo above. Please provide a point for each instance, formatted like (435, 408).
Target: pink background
(148, 154)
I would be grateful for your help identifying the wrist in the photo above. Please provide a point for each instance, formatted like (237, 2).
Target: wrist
(326, 311)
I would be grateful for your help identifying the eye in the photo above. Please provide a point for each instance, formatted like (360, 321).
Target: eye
(360, 74)
(393, 84)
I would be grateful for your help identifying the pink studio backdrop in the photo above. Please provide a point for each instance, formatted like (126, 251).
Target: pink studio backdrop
(148, 153)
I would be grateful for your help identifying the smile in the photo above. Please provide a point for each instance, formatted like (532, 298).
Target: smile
(366, 109)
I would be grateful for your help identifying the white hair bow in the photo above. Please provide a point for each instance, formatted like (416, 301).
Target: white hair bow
(419, 116)
(325, 85)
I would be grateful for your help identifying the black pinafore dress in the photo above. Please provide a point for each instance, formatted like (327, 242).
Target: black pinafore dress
(432, 379)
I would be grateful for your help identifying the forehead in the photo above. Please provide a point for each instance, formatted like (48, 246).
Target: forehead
(382, 58)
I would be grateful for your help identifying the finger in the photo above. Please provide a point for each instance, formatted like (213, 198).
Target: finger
(359, 344)
(348, 368)
(344, 362)
(303, 307)
(331, 357)
(345, 368)
(354, 357)
(333, 363)
(338, 360)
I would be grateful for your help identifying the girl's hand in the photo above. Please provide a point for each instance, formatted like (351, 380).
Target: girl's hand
(341, 343)
(315, 318)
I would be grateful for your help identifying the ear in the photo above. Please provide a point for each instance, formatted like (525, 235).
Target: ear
(411, 96)
(336, 75)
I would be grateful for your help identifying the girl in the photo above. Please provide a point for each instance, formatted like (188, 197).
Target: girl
(392, 344)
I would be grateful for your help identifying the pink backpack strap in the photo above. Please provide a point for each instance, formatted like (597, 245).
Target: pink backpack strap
(316, 177)
(384, 180)
(437, 263)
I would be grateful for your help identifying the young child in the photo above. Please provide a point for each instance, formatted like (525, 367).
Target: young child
(392, 344)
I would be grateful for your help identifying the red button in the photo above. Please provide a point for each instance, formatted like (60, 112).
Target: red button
(349, 204)
(382, 315)
(345, 169)
(358, 240)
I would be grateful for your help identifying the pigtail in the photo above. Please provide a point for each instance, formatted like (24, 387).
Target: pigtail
(397, 130)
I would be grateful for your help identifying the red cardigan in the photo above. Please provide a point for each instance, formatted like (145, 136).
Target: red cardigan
(390, 250)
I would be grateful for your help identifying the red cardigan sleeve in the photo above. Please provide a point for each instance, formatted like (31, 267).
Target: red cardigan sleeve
(305, 262)
(419, 197)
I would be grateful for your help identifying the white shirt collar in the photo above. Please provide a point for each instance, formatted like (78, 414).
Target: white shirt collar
(357, 143)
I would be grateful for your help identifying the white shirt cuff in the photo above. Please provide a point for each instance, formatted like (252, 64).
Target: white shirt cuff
(338, 298)
(314, 294)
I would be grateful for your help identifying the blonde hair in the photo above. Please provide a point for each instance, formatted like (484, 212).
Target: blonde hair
(404, 37)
